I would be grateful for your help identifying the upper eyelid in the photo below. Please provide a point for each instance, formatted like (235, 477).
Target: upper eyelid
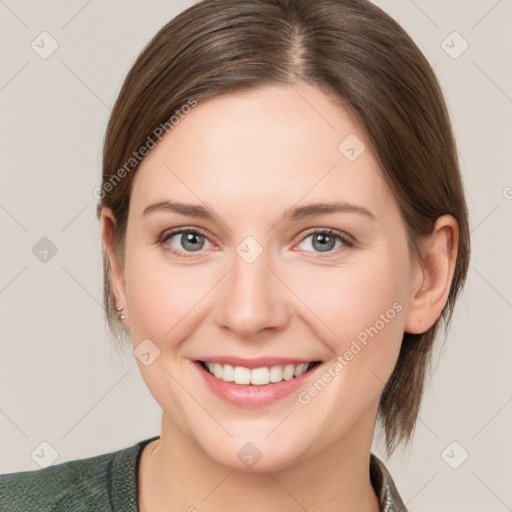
(178, 231)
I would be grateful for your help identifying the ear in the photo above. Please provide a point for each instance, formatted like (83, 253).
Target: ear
(433, 276)
(107, 223)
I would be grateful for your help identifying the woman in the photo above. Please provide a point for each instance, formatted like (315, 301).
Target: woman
(305, 149)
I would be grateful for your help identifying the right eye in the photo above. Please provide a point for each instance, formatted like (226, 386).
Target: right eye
(182, 241)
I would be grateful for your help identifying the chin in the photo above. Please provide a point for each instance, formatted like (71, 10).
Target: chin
(266, 464)
(259, 456)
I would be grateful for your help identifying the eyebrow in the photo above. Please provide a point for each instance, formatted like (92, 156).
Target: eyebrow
(294, 213)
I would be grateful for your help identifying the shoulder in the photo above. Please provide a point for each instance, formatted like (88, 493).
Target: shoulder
(64, 486)
(77, 485)
(384, 486)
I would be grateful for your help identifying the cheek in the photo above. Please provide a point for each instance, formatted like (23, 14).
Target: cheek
(360, 309)
(163, 298)
(360, 318)
(157, 301)
(162, 302)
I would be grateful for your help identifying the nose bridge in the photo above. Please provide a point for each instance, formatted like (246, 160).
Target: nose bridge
(252, 298)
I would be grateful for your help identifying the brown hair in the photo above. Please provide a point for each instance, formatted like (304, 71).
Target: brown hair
(353, 51)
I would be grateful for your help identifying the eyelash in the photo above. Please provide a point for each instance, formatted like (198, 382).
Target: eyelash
(347, 242)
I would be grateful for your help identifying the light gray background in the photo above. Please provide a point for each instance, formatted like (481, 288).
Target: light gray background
(61, 380)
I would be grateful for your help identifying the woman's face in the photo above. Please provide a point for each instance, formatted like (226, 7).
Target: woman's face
(235, 274)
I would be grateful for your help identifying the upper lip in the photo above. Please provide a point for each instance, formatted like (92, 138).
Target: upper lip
(257, 362)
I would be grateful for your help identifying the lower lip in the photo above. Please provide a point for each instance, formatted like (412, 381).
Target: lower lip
(251, 395)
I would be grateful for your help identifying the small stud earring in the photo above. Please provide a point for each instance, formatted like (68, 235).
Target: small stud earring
(119, 314)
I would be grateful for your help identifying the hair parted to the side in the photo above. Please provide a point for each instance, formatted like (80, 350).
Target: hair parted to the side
(354, 52)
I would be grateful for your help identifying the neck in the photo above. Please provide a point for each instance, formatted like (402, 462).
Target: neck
(175, 472)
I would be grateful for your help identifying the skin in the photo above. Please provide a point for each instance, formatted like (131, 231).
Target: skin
(249, 156)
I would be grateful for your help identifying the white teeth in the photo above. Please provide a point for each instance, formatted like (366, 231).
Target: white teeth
(300, 369)
(228, 373)
(288, 372)
(276, 374)
(260, 376)
(217, 370)
(256, 376)
(242, 375)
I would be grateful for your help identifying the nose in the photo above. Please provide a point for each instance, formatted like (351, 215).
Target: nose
(252, 299)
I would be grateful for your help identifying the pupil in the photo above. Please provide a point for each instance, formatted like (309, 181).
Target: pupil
(326, 242)
(190, 238)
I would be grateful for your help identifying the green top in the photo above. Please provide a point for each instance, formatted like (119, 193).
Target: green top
(108, 482)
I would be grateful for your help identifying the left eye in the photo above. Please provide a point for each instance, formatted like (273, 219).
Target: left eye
(325, 241)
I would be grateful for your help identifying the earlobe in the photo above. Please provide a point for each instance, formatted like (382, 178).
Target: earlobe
(430, 292)
(107, 222)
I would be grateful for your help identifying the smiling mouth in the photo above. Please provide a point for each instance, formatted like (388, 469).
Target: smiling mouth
(257, 376)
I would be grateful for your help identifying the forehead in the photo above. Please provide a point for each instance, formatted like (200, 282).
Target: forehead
(269, 145)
